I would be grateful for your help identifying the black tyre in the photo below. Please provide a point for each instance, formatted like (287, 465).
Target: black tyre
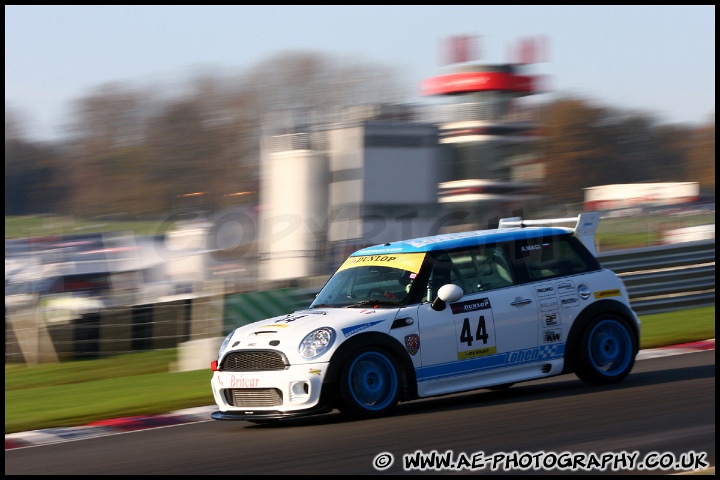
(607, 351)
(369, 384)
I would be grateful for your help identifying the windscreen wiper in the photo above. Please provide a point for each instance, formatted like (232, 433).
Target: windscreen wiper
(323, 305)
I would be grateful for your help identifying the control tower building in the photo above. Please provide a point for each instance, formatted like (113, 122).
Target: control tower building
(494, 169)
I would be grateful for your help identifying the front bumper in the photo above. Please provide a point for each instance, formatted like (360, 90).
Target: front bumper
(294, 391)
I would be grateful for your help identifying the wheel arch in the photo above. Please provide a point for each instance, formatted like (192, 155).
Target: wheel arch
(408, 380)
(585, 316)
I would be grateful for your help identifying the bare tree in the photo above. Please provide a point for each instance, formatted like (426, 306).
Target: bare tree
(700, 162)
(138, 150)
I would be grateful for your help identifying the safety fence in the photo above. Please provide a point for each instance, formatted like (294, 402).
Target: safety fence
(667, 278)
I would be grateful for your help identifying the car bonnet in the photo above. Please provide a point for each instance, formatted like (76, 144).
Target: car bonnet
(285, 332)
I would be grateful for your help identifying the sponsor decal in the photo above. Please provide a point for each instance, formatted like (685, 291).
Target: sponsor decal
(544, 290)
(551, 336)
(367, 312)
(412, 343)
(522, 356)
(470, 306)
(350, 331)
(568, 302)
(551, 320)
(607, 293)
(565, 287)
(237, 381)
(291, 317)
(479, 352)
(314, 371)
(547, 304)
(372, 259)
(403, 261)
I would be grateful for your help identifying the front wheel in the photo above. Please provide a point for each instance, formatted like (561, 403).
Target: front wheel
(369, 384)
(607, 351)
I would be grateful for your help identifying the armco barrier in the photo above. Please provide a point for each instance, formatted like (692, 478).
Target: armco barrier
(666, 278)
(680, 255)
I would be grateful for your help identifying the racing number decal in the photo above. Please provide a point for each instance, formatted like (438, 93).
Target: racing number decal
(480, 335)
(476, 330)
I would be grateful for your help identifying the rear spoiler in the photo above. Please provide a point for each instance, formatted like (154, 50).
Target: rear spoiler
(585, 226)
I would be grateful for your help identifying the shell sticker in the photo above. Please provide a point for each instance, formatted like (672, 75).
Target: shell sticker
(607, 293)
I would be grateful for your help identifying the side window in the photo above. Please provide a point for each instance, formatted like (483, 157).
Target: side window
(440, 275)
(481, 268)
(464, 269)
(545, 258)
(450, 267)
(495, 270)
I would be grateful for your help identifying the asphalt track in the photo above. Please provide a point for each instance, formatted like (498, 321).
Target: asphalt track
(646, 420)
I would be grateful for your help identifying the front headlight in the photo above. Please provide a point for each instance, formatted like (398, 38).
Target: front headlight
(316, 342)
(224, 344)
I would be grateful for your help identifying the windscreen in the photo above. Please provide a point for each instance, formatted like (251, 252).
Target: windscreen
(378, 280)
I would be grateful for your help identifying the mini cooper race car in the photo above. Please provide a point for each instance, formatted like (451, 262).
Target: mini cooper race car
(432, 316)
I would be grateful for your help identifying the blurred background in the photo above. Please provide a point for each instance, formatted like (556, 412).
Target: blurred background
(262, 182)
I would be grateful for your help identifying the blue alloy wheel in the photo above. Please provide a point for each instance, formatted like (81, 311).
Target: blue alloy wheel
(608, 351)
(369, 384)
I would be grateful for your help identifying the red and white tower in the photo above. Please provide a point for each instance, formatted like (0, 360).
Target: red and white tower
(492, 136)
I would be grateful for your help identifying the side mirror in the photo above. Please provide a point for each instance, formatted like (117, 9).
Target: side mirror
(447, 293)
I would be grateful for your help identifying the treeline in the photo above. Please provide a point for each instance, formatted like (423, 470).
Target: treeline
(134, 151)
(585, 145)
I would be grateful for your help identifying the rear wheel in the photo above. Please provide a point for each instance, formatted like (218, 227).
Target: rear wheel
(369, 384)
(607, 351)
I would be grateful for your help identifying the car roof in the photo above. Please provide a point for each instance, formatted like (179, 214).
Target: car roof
(451, 241)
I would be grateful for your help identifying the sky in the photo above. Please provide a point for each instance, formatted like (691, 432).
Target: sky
(655, 59)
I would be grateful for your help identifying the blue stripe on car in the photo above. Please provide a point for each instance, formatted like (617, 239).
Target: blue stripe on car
(490, 362)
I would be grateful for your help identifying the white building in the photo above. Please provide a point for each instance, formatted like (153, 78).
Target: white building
(293, 206)
(370, 177)
(611, 197)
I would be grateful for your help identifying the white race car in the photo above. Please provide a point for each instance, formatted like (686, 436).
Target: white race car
(432, 316)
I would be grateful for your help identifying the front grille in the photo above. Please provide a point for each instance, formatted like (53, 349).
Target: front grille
(254, 397)
(250, 361)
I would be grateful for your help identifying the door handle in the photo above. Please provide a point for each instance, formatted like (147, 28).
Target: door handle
(521, 301)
